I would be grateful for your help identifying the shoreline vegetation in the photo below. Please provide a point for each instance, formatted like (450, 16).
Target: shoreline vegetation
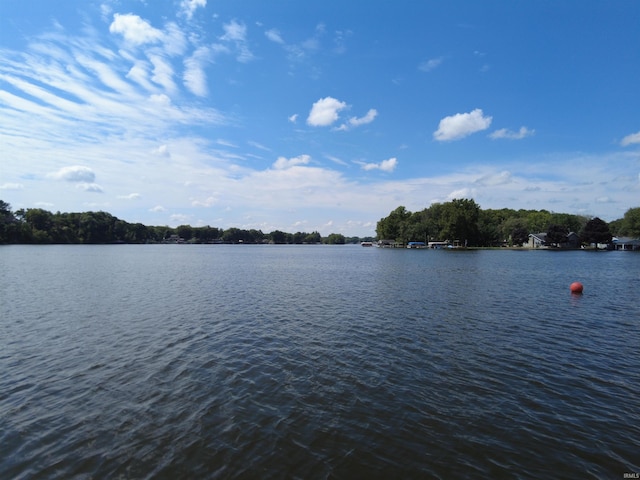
(460, 221)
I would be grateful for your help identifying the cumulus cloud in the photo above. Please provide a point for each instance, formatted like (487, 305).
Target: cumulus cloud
(356, 122)
(188, 7)
(630, 139)
(282, 162)
(75, 173)
(388, 165)
(461, 125)
(325, 112)
(134, 29)
(462, 193)
(511, 135)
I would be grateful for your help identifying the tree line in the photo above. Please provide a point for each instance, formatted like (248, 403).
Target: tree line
(463, 220)
(460, 219)
(39, 226)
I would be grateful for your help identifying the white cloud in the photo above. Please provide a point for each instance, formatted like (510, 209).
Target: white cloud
(494, 179)
(293, 118)
(258, 146)
(131, 196)
(274, 36)
(388, 165)
(356, 122)
(163, 73)
(236, 33)
(325, 112)
(11, 186)
(195, 78)
(511, 135)
(162, 151)
(75, 173)
(134, 29)
(158, 209)
(429, 65)
(461, 125)
(630, 139)
(90, 187)
(208, 202)
(188, 7)
(282, 162)
(462, 193)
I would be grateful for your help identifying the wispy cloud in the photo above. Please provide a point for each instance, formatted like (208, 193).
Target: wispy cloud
(188, 7)
(236, 34)
(274, 36)
(432, 64)
(356, 122)
(630, 139)
(511, 135)
(195, 78)
(460, 125)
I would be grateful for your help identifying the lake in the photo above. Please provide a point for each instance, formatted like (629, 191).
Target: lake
(340, 362)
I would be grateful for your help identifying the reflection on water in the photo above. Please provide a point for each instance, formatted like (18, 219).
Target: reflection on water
(317, 362)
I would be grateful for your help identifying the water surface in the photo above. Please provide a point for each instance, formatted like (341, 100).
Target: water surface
(236, 361)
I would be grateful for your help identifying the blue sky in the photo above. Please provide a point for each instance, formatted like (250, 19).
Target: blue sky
(318, 115)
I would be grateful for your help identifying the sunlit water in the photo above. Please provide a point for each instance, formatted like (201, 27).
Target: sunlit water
(223, 361)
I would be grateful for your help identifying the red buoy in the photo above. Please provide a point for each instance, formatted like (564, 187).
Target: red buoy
(576, 287)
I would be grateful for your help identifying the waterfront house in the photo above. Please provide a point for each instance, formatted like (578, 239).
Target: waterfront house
(537, 240)
(386, 243)
(572, 241)
(625, 243)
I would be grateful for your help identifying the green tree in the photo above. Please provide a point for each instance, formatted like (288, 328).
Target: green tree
(185, 232)
(9, 225)
(519, 236)
(461, 221)
(313, 237)
(394, 227)
(595, 231)
(278, 237)
(556, 234)
(335, 239)
(631, 223)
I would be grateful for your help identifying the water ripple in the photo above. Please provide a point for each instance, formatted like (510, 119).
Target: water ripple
(316, 362)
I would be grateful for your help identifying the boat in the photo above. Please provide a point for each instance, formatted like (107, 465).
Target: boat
(366, 244)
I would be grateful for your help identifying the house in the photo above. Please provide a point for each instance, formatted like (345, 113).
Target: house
(386, 243)
(537, 240)
(625, 243)
(416, 245)
(572, 241)
(540, 240)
